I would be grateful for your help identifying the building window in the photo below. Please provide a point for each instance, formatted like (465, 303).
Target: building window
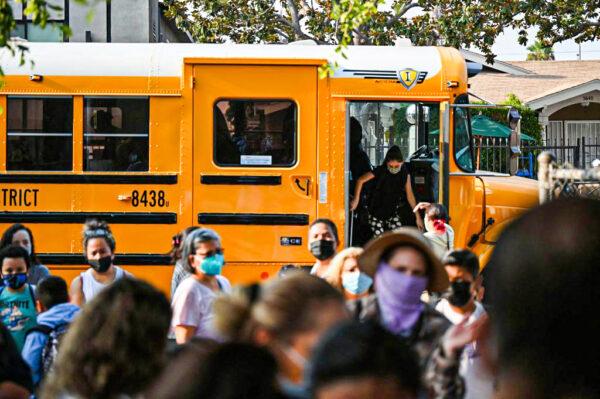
(116, 134)
(255, 132)
(52, 32)
(39, 133)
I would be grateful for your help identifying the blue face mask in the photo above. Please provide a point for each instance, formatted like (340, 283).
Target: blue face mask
(212, 265)
(356, 283)
(15, 281)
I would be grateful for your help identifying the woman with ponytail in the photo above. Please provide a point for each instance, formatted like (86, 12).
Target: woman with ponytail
(287, 316)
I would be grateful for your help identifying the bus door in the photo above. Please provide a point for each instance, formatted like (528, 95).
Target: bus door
(255, 157)
(375, 126)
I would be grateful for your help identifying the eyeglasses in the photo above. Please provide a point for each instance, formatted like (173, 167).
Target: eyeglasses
(211, 253)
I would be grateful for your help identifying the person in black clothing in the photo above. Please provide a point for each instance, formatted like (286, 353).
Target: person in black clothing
(392, 199)
(359, 165)
(359, 160)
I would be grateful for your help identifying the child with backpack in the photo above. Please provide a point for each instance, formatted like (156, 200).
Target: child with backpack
(17, 298)
(56, 314)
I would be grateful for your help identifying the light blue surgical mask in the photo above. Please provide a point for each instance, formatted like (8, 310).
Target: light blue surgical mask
(356, 283)
(213, 265)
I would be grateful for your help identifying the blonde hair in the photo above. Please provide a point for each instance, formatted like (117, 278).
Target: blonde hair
(283, 307)
(336, 267)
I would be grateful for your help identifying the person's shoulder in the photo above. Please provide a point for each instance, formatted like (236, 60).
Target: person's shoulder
(379, 169)
(224, 283)
(363, 308)
(434, 319)
(190, 287)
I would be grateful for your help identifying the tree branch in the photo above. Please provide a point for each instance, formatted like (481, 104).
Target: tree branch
(293, 10)
(393, 19)
(305, 7)
(299, 31)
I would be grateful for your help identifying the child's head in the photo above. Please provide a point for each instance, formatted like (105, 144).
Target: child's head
(363, 360)
(462, 267)
(51, 291)
(436, 218)
(15, 263)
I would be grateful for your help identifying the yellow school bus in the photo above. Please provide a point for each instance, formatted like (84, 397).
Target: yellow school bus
(245, 139)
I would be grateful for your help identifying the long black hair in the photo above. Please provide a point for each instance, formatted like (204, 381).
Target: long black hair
(394, 153)
(8, 235)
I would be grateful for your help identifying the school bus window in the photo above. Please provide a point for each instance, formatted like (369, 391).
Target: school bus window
(116, 134)
(462, 140)
(255, 132)
(39, 133)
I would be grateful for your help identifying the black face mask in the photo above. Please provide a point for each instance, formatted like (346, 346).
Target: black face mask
(100, 265)
(322, 249)
(460, 293)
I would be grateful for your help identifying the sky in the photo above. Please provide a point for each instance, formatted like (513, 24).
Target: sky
(507, 48)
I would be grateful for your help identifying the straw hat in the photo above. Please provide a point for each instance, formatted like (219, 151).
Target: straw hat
(374, 250)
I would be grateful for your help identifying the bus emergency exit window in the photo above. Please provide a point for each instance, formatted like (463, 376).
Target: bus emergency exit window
(39, 133)
(255, 133)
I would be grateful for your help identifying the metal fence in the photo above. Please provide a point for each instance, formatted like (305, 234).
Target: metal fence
(556, 181)
(493, 153)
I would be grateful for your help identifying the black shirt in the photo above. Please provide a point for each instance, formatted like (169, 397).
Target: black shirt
(389, 191)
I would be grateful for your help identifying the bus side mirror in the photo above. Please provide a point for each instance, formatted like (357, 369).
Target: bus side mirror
(514, 122)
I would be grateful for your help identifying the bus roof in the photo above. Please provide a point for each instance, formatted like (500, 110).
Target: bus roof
(166, 59)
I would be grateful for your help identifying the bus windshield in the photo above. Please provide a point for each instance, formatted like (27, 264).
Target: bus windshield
(408, 125)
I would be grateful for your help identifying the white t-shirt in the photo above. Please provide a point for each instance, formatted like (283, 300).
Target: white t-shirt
(192, 305)
(478, 383)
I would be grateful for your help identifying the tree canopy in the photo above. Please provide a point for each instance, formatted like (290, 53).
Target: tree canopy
(343, 22)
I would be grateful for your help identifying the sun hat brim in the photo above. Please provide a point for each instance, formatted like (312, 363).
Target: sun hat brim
(410, 236)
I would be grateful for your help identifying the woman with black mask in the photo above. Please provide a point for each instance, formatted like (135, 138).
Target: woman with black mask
(392, 199)
(323, 241)
(99, 251)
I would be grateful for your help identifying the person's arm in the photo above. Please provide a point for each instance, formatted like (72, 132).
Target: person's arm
(188, 310)
(184, 333)
(76, 292)
(413, 202)
(359, 183)
(32, 354)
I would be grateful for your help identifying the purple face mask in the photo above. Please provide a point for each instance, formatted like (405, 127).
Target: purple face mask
(399, 298)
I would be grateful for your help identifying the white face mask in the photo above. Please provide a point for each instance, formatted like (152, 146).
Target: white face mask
(394, 170)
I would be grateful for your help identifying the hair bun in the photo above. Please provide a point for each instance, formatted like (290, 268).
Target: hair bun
(95, 224)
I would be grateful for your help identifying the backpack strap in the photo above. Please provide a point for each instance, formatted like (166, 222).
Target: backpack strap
(41, 328)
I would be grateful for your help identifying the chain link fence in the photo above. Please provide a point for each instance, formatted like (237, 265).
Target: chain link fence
(564, 181)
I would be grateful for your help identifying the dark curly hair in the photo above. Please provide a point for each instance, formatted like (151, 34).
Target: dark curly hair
(116, 346)
(94, 228)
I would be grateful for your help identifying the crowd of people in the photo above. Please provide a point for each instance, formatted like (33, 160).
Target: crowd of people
(402, 317)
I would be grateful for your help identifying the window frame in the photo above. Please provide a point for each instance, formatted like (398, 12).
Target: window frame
(24, 21)
(257, 100)
(462, 99)
(117, 135)
(40, 134)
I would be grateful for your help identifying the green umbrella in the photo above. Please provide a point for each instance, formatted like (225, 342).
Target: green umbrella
(483, 126)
